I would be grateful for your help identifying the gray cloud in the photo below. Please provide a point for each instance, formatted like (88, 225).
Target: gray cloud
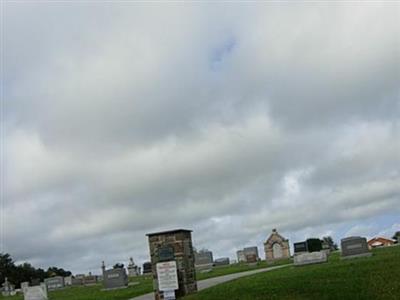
(230, 120)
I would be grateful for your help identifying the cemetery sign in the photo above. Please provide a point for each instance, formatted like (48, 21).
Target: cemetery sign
(167, 276)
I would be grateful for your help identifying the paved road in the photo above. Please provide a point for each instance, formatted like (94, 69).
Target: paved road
(206, 283)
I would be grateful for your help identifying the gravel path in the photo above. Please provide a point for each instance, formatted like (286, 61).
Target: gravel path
(206, 283)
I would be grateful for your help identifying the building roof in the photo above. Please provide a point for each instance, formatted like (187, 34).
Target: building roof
(275, 233)
(168, 232)
(380, 239)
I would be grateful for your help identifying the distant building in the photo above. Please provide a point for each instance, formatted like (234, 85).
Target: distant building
(379, 242)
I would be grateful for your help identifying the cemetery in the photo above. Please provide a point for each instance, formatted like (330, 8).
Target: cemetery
(176, 268)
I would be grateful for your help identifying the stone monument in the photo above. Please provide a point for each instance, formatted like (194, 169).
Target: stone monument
(203, 260)
(24, 286)
(133, 269)
(54, 283)
(38, 292)
(276, 247)
(307, 258)
(115, 278)
(147, 268)
(172, 260)
(354, 246)
(8, 288)
(90, 279)
(68, 280)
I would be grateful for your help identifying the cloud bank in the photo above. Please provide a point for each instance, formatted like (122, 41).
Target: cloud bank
(126, 118)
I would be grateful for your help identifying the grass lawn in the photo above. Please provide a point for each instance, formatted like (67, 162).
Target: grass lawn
(95, 292)
(376, 277)
(146, 285)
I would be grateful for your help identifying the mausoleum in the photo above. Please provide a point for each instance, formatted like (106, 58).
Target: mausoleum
(276, 247)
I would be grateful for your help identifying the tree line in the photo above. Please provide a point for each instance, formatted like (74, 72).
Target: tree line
(25, 272)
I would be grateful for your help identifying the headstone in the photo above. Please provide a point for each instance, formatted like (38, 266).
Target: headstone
(115, 278)
(203, 261)
(354, 246)
(38, 292)
(314, 245)
(203, 257)
(76, 281)
(251, 251)
(251, 258)
(8, 288)
(180, 241)
(133, 269)
(307, 258)
(54, 283)
(223, 261)
(35, 282)
(240, 256)
(24, 286)
(276, 247)
(300, 247)
(204, 268)
(147, 268)
(90, 279)
(68, 280)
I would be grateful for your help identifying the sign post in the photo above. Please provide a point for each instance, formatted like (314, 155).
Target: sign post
(167, 279)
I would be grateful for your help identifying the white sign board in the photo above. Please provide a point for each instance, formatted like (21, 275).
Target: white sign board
(167, 276)
(169, 295)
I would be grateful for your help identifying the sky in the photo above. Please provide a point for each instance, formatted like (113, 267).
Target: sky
(124, 118)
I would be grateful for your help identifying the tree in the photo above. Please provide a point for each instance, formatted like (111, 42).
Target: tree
(396, 237)
(7, 267)
(118, 266)
(329, 241)
(54, 271)
(25, 271)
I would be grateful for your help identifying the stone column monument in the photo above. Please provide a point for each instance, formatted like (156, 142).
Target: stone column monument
(172, 260)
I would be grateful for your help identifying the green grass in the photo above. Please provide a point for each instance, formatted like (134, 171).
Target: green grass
(376, 277)
(146, 285)
(240, 267)
(95, 292)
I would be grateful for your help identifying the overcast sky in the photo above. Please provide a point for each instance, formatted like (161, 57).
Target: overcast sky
(121, 119)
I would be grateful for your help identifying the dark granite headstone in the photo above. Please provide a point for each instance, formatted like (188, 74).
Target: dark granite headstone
(354, 246)
(147, 268)
(300, 247)
(314, 245)
(115, 278)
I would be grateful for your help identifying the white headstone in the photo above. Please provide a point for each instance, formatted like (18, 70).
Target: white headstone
(310, 258)
(24, 286)
(36, 292)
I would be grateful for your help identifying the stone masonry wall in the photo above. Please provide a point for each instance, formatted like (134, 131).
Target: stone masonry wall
(181, 242)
